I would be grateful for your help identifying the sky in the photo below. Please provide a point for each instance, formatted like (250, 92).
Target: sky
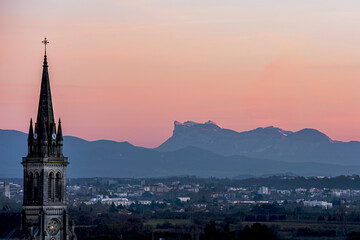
(125, 70)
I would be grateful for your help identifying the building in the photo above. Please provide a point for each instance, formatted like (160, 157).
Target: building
(7, 189)
(184, 199)
(124, 212)
(263, 190)
(157, 188)
(44, 215)
(322, 204)
(44, 203)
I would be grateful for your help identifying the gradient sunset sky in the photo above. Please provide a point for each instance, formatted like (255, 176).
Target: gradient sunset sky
(125, 70)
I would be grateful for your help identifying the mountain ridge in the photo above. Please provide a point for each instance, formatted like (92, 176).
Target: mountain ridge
(264, 142)
(122, 159)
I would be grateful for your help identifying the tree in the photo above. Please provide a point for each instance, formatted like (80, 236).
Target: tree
(226, 234)
(258, 232)
(112, 208)
(210, 231)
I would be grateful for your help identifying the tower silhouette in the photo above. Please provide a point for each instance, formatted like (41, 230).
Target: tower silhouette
(44, 214)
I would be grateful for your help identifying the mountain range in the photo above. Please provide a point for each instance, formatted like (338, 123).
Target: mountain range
(200, 149)
(307, 145)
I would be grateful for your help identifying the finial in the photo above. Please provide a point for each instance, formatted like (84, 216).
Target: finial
(45, 42)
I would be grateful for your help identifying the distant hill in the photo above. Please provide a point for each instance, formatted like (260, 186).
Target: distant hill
(307, 145)
(121, 159)
(13, 146)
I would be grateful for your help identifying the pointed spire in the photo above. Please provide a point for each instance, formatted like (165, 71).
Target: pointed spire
(45, 110)
(31, 131)
(31, 139)
(59, 132)
(44, 140)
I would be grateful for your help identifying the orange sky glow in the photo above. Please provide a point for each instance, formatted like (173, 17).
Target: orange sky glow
(125, 70)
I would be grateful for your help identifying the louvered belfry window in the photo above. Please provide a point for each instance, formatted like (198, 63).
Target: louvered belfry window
(58, 187)
(51, 187)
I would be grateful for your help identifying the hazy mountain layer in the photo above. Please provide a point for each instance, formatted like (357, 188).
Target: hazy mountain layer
(121, 159)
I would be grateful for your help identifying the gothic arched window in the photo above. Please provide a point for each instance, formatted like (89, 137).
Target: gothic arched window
(29, 190)
(36, 184)
(58, 186)
(51, 186)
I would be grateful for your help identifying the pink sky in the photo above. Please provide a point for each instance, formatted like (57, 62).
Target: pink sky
(125, 70)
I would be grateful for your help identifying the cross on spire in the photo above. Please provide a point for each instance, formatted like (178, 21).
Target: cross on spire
(45, 42)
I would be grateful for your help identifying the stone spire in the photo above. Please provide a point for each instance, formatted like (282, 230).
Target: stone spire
(45, 127)
(31, 131)
(45, 110)
(31, 139)
(59, 135)
(59, 139)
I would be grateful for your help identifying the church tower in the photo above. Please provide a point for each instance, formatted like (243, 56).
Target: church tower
(44, 213)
